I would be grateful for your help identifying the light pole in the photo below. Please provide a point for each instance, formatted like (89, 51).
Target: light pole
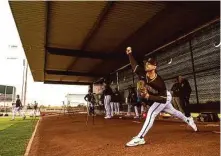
(25, 83)
(23, 79)
(5, 97)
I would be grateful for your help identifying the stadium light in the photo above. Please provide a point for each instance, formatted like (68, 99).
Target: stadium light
(24, 77)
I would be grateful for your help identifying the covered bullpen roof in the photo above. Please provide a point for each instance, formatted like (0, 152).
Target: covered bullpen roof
(79, 42)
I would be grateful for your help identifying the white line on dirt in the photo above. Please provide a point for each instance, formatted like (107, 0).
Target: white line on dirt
(136, 121)
(31, 140)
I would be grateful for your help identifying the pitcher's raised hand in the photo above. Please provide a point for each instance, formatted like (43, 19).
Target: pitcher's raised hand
(129, 50)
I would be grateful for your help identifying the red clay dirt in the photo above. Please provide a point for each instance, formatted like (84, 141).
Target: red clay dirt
(69, 136)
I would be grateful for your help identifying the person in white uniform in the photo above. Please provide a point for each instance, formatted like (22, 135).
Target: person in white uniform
(107, 99)
(17, 108)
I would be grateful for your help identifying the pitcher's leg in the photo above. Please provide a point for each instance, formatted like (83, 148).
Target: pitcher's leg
(154, 110)
(189, 120)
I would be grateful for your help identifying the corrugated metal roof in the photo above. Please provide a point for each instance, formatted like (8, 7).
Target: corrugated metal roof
(85, 64)
(53, 77)
(30, 21)
(57, 62)
(122, 20)
(69, 78)
(85, 79)
(70, 22)
(105, 27)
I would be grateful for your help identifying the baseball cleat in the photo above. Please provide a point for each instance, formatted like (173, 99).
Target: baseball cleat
(192, 124)
(107, 117)
(135, 142)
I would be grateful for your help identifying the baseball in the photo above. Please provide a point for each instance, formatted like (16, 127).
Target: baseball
(129, 50)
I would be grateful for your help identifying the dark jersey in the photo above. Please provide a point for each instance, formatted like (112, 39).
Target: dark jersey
(176, 89)
(35, 106)
(185, 89)
(117, 96)
(18, 103)
(132, 97)
(89, 98)
(107, 91)
(156, 86)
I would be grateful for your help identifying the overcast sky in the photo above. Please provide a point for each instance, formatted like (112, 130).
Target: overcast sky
(11, 65)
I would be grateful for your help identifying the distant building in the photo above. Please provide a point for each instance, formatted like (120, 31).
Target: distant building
(75, 99)
(7, 95)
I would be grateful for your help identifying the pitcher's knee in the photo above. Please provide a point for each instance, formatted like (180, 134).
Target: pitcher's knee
(154, 115)
(177, 113)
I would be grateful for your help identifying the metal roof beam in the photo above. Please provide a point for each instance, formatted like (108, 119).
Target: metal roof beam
(94, 29)
(84, 54)
(47, 26)
(71, 73)
(97, 24)
(66, 82)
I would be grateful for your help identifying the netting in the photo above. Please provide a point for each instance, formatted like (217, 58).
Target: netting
(198, 60)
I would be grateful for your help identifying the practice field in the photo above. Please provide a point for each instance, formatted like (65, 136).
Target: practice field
(69, 136)
(14, 135)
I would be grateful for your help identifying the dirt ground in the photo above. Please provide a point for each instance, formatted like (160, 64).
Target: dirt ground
(69, 136)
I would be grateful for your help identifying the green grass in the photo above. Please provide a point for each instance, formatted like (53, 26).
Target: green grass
(14, 135)
(4, 124)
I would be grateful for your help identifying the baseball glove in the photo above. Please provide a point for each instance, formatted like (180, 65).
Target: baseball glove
(141, 88)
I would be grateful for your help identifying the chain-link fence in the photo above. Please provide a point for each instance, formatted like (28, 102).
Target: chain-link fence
(196, 59)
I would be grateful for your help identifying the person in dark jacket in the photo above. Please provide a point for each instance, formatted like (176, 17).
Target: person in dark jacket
(131, 99)
(35, 108)
(185, 91)
(112, 104)
(101, 102)
(116, 101)
(136, 106)
(176, 93)
(91, 102)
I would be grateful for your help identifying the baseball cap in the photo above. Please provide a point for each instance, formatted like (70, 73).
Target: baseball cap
(151, 61)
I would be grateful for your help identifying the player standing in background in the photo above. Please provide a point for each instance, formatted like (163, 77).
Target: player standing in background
(185, 90)
(112, 104)
(107, 98)
(131, 99)
(117, 101)
(35, 109)
(91, 101)
(176, 93)
(17, 109)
